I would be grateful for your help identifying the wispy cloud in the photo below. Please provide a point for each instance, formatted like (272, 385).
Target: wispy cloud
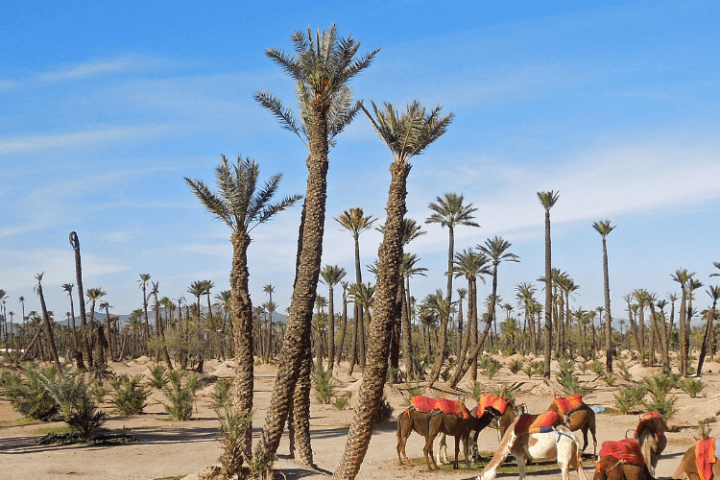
(8, 84)
(34, 143)
(92, 69)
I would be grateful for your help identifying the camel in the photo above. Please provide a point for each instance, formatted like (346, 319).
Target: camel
(582, 418)
(453, 425)
(650, 434)
(558, 443)
(410, 420)
(489, 417)
(688, 468)
(610, 468)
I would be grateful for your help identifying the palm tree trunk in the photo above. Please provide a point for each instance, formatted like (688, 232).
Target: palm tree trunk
(706, 338)
(296, 344)
(385, 309)
(75, 242)
(331, 329)
(681, 328)
(242, 327)
(48, 328)
(608, 315)
(446, 317)
(343, 328)
(548, 295)
(406, 334)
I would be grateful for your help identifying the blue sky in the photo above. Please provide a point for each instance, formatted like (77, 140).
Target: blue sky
(105, 108)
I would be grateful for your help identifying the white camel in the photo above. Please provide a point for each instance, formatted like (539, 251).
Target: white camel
(559, 443)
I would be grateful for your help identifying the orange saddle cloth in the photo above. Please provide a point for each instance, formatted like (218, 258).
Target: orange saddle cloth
(486, 400)
(705, 456)
(627, 451)
(569, 403)
(651, 420)
(455, 407)
(426, 404)
(543, 423)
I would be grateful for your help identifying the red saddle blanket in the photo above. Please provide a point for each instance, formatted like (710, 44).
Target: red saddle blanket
(653, 421)
(705, 457)
(486, 400)
(456, 407)
(425, 404)
(627, 451)
(540, 424)
(569, 403)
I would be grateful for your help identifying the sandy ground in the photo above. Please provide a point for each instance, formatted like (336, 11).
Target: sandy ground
(169, 449)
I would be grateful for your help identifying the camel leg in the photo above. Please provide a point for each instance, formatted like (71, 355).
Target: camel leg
(576, 460)
(442, 457)
(402, 441)
(457, 453)
(428, 451)
(519, 455)
(466, 440)
(585, 437)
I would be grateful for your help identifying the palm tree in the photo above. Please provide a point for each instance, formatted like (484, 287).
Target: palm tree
(75, 243)
(242, 206)
(526, 297)
(548, 200)
(406, 134)
(604, 228)
(109, 350)
(409, 268)
(271, 307)
(714, 293)
(68, 287)
(155, 286)
(324, 66)
(470, 264)
(95, 294)
(356, 222)
(449, 211)
(21, 299)
(683, 278)
(270, 289)
(46, 322)
(331, 276)
(144, 279)
(343, 325)
(692, 285)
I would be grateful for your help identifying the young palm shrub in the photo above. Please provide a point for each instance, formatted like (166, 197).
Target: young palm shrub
(342, 401)
(98, 392)
(660, 384)
(529, 370)
(663, 405)
(157, 378)
(221, 396)
(538, 368)
(232, 428)
(85, 419)
(412, 392)
(182, 398)
(516, 366)
(504, 391)
(490, 366)
(609, 379)
(324, 385)
(477, 390)
(67, 389)
(130, 394)
(624, 372)
(628, 398)
(30, 397)
(597, 367)
(691, 387)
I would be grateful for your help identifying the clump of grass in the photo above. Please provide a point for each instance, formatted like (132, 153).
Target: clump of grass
(182, 398)
(568, 379)
(324, 385)
(232, 428)
(515, 366)
(609, 379)
(663, 405)
(704, 428)
(342, 401)
(130, 394)
(98, 392)
(692, 387)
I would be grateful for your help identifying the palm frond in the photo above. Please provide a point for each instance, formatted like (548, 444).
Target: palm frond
(283, 115)
(214, 204)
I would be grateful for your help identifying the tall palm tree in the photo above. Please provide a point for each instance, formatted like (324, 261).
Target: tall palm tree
(406, 134)
(714, 293)
(95, 294)
(331, 276)
(208, 285)
(343, 324)
(449, 211)
(68, 287)
(525, 294)
(108, 351)
(271, 307)
(409, 268)
(683, 277)
(21, 299)
(144, 279)
(270, 289)
(322, 69)
(242, 206)
(160, 332)
(356, 222)
(470, 264)
(75, 243)
(604, 228)
(548, 200)
(46, 322)
(692, 285)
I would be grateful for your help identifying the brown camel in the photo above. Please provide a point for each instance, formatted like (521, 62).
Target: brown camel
(582, 418)
(610, 468)
(688, 467)
(410, 420)
(650, 434)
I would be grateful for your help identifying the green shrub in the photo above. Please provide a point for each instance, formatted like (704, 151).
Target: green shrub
(98, 391)
(624, 372)
(395, 375)
(661, 383)
(504, 391)
(516, 366)
(342, 401)
(158, 379)
(538, 368)
(529, 370)
(221, 396)
(232, 428)
(691, 387)
(130, 394)
(584, 366)
(30, 397)
(182, 398)
(490, 366)
(384, 411)
(597, 367)
(663, 405)
(609, 379)
(628, 398)
(67, 389)
(412, 392)
(324, 385)
(477, 390)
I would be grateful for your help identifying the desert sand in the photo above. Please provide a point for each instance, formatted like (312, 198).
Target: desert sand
(174, 449)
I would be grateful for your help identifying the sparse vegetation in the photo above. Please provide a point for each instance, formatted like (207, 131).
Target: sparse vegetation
(130, 394)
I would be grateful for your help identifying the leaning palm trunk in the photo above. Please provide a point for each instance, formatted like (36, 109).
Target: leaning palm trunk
(384, 312)
(707, 339)
(75, 242)
(296, 344)
(48, 327)
(406, 334)
(446, 316)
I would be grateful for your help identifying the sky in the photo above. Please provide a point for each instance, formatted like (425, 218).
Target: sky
(106, 108)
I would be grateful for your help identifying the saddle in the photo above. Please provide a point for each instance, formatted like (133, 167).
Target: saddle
(706, 453)
(445, 405)
(546, 422)
(652, 421)
(570, 404)
(625, 451)
(486, 401)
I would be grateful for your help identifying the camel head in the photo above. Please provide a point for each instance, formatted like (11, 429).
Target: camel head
(652, 445)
